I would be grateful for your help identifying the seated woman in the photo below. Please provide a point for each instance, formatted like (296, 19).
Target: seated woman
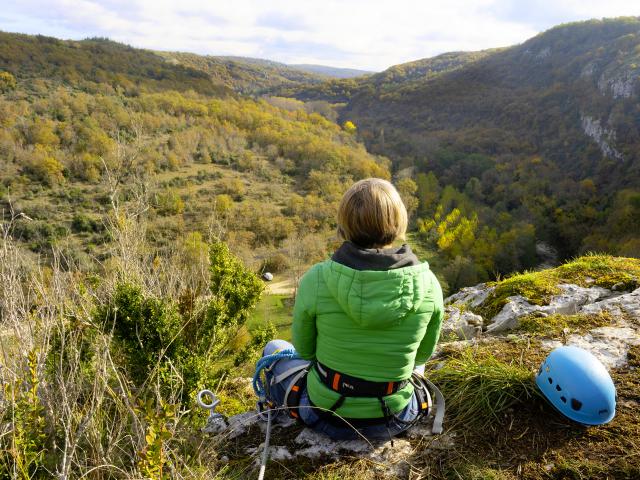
(362, 321)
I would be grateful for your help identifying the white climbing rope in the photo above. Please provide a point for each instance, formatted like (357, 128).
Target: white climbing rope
(265, 453)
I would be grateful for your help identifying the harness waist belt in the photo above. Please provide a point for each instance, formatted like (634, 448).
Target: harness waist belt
(349, 386)
(342, 422)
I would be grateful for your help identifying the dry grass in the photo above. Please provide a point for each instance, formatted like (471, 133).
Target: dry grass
(67, 408)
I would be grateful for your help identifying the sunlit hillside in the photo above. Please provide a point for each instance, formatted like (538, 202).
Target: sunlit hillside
(544, 135)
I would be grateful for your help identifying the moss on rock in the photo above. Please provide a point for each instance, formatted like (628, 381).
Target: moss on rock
(538, 287)
(555, 325)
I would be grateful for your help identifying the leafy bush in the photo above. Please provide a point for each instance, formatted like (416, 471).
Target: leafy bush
(275, 263)
(41, 166)
(83, 223)
(7, 82)
(148, 328)
(169, 203)
(161, 337)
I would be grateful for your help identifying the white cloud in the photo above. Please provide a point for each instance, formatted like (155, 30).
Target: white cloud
(370, 34)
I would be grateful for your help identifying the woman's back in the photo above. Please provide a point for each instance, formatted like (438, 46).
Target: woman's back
(363, 321)
(375, 325)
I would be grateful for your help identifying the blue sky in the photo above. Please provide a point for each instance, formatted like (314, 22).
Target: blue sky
(366, 34)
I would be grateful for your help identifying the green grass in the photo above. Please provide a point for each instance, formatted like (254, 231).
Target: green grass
(278, 310)
(479, 387)
(538, 287)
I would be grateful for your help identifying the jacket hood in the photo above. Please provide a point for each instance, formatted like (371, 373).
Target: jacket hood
(377, 299)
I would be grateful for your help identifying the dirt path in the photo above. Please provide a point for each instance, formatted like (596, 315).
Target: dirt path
(282, 287)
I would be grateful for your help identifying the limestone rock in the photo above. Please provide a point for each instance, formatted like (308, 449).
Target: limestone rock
(390, 461)
(235, 425)
(570, 301)
(573, 297)
(507, 319)
(621, 85)
(471, 296)
(610, 345)
(215, 424)
(627, 303)
(463, 324)
(603, 136)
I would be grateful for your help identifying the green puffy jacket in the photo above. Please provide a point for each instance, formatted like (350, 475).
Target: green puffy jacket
(375, 325)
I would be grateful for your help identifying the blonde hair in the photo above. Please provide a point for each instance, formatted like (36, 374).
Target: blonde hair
(371, 214)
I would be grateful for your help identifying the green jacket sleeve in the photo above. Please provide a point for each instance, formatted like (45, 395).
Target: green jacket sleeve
(428, 343)
(303, 330)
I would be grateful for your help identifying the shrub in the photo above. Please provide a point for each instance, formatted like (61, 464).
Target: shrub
(7, 82)
(233, 187)
(82, 223)
(86, 167)
(41, 166)
(26, 414)
(158, 338)
(235, 289)
(169, 203)
(275, 263)
(349, 127)
(146, 327)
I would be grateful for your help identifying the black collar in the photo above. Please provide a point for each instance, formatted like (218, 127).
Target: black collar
(351, 255)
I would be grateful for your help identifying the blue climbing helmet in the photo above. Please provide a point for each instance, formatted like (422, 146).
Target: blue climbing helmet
(578, 385)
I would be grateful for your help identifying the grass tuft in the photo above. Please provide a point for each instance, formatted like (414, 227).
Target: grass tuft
(480, 388)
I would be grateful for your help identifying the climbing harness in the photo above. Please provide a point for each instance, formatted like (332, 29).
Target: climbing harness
(345, 385)
(294, 391)
(349, 386)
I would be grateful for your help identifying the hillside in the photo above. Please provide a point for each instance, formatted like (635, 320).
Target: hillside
(344, 90)
(565, 79)
(544, 134)
(500, 155)
(97, 60)
(90, 135)
(245, 75)
(104, 61)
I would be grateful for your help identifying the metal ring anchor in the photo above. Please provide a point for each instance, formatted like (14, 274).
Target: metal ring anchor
(216, 423)
(208, 406)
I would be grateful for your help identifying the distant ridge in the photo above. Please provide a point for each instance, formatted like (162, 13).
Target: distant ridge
(334, 72)
(103, 60)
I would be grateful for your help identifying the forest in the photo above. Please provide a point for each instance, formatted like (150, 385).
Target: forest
(81, 119)
(541, 137)
(196, 160)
